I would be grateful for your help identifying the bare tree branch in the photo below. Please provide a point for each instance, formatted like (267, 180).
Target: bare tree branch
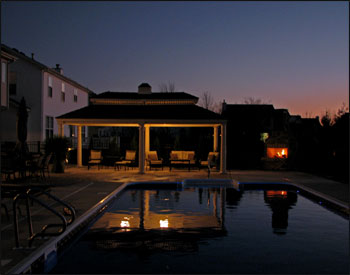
(167, 88)
(253, 100)
(206, 101)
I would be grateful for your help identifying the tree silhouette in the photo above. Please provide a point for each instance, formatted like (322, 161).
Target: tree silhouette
(253, 100)
(167, 88)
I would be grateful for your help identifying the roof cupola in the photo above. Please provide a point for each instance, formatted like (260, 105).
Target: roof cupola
(145, 88)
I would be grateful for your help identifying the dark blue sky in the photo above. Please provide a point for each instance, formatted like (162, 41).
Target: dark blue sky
(292, 54)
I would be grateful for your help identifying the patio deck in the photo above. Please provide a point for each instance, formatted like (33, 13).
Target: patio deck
(83, 189)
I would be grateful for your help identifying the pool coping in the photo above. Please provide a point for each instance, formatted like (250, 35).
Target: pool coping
(48, 251)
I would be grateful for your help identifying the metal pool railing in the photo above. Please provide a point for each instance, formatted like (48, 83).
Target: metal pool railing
(27, 195)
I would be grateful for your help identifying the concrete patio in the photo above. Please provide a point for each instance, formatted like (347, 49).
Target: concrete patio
(83, 189)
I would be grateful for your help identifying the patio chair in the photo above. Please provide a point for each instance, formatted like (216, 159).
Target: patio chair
(153, 160)
(95, 158)
(9, 166)
(128, 161)
(212, 161)
(45, 166)
(35, 165)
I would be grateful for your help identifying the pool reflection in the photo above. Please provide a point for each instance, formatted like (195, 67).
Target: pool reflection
(165, 220)
(160, 217)
(280, 201)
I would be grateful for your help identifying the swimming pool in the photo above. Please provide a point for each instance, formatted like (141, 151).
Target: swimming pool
(211, 228)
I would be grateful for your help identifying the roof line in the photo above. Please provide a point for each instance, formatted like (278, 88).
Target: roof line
(43, 67)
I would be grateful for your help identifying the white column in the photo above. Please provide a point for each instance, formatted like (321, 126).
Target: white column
(60, 129)
(79, 149)
(147, 138)
(223, 150)
(216, 139)
(141, 149)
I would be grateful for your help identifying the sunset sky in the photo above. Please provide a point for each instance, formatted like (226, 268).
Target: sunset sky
(294, 55)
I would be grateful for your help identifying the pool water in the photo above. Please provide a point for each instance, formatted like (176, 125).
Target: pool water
(211, 230)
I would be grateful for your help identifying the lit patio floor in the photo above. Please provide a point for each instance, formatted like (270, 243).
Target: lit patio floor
(83, 189)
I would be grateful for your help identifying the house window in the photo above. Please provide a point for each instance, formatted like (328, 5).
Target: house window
(63, 93)
(75, 95)
(49, 92)
(49, 127)
(3, 72)
(13, 83)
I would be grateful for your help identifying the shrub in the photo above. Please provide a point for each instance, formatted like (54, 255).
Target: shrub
(59, 147)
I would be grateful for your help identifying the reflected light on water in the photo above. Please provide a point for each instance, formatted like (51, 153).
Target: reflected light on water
(164, 223)
(125, 223)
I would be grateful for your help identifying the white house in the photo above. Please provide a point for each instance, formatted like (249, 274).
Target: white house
(48, 94)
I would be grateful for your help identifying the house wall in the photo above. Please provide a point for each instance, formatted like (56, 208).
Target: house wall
(54, 106)
(32, 84)
(28, 85)
(4, 83)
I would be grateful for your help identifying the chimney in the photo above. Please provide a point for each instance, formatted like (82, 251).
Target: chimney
(145, 88)
(223, 108)
(58, 69)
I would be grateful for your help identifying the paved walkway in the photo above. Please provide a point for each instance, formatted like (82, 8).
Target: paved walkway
(83, 189)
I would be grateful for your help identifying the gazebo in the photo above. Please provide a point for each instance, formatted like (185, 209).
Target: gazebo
(145, 110)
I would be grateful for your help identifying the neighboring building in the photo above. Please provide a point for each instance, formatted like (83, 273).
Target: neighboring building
(251, 129)
(48, 93)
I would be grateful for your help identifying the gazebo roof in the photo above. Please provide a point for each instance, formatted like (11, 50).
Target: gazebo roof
(130, 95)
(142, 112)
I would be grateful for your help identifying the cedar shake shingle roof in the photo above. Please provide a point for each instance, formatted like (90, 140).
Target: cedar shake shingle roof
(162, 112)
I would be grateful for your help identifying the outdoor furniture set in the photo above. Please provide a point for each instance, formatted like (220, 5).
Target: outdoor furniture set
(33, 166)
(177, 159)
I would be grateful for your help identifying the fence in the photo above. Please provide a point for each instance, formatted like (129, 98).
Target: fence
(93, 142)
(99, 143)
(33, 146)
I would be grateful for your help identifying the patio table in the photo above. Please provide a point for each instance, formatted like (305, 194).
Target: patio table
(109, 160)
(180, 162)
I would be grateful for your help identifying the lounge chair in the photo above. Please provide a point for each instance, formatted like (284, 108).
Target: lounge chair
(128, 161)
(212, 161)
(153, 161)
(95, 158)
